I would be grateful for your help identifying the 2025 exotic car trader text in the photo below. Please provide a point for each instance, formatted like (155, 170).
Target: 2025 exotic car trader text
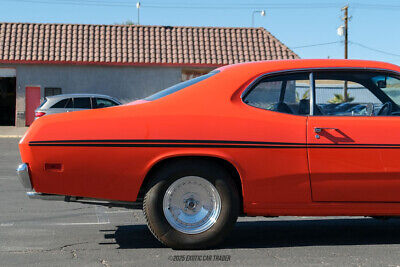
(298, 137)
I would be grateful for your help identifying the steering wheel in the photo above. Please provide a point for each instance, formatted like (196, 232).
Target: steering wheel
(386, 109)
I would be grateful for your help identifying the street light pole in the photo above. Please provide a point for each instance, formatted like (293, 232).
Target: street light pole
(138, 12)
(262, 13)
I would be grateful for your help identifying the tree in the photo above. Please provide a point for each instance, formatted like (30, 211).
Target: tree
(127, 22)
(338, 99)
(306, 95)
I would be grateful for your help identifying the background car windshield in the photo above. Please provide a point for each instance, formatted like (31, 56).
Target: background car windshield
(179, 86)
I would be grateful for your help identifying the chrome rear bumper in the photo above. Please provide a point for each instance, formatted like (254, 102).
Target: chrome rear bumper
(23, 175)
(34, 195)
(25, 180)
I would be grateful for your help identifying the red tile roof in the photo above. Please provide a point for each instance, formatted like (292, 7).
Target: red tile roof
(131, 44)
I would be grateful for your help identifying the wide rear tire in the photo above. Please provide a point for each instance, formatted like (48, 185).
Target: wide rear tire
(191, 204)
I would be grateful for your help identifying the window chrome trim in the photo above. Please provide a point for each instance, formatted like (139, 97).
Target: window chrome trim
(291, 71)
(312, 93)
(312, 83)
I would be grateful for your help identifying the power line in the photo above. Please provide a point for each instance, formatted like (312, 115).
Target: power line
(374, 49)
(179, 6)
(312, 45)
(243, 6)
(71, 2)
(293, 5)
(375, 6)
(202, 6)
(276, 6)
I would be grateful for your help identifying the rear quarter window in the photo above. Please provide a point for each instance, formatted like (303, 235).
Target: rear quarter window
(180, 86)
(44, 102)
(60, 104)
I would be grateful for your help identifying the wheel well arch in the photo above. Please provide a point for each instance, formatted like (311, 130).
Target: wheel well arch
(232, 170)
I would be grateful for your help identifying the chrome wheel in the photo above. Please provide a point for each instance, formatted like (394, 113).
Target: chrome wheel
(191, 205)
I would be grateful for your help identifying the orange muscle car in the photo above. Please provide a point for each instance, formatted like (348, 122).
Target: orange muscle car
(274, 138)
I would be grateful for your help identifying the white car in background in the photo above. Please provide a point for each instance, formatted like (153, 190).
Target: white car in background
(74, 102)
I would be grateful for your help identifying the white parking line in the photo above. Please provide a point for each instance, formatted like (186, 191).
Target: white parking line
(65, 224)
(118, 211)
(102, 217)
(52, 224)
(6, 224)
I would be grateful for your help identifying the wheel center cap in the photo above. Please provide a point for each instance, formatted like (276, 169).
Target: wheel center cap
(190, 204)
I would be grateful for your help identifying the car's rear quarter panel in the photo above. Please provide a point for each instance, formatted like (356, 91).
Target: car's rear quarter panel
(117, 172)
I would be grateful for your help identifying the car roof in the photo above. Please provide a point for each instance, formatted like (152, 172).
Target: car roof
(275, 65)
(77, 95)
(232, 78)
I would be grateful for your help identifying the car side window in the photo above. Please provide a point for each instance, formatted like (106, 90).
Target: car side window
(103, 103)
(288, 93)
(82, 102)
(70, 103)
(60, 104)
(346, 94)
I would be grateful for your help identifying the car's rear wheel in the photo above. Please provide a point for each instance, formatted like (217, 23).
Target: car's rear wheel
(191, 204)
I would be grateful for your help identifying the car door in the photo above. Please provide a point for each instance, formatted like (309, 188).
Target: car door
(353, 141)
(278, 172)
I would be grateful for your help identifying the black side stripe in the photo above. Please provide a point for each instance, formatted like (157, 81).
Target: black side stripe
(166, 145)
(166, 141)
(200, 144)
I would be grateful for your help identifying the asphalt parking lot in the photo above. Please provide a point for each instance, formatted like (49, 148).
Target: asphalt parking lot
(40, 233)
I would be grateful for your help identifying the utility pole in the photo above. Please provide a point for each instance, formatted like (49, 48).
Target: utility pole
(346, 52)
(346, 30)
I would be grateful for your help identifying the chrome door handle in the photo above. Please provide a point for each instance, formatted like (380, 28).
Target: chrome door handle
(320, 129)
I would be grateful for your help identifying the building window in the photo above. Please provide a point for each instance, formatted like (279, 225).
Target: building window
(49, 91)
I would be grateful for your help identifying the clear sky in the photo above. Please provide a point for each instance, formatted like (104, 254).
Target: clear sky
(374, 24)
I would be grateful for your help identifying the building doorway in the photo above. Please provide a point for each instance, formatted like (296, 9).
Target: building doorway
(32, 101)
(7, 99)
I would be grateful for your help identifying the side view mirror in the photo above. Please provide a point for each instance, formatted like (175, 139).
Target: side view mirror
(381, 83)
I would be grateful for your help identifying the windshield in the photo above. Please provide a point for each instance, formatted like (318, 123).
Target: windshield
(391, 87)
(179, 86)
(44, 102)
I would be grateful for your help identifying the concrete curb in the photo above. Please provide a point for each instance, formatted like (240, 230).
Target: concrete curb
(12, 131)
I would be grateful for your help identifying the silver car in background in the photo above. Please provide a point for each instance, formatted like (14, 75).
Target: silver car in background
(74, 102)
